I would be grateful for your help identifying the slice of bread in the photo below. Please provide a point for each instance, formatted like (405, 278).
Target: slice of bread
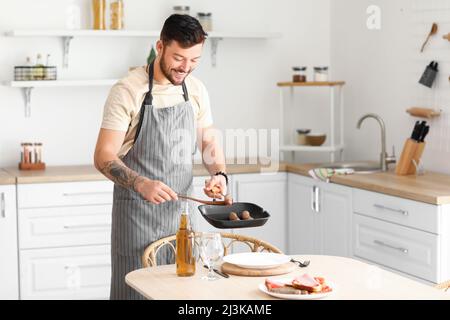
(300, 286)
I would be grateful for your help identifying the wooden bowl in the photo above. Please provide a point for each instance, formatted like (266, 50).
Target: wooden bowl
(316, 139)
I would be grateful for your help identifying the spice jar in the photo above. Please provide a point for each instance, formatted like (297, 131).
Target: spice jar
(205, 19)
(320, 74)
(181, 10)
(116, 13)
(98, 14)
(38, 152)
(299, 74)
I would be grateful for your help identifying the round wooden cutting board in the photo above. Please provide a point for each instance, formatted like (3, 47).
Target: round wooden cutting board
(238, 271)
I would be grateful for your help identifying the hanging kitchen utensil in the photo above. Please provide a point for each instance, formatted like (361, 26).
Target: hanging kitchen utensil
(447, 36)
(219, 216)
(429, 74)
(433, 31)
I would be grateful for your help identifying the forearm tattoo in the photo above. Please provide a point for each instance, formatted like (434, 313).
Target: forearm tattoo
(120, 174)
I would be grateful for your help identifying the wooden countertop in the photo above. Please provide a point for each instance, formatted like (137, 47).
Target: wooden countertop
(433, 188)
(6, 178)
(352, 280)
(90, 173)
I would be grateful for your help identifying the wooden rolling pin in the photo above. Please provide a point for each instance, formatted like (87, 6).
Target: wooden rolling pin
(423, 112)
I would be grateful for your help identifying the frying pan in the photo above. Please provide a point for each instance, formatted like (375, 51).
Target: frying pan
(218, 216)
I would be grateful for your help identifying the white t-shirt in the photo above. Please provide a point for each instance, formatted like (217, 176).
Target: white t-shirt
(121, 111)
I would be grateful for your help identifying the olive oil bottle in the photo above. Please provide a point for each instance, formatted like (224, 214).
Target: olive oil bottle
(185, 258)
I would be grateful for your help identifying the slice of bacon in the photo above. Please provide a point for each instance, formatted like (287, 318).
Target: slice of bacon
(307, 280)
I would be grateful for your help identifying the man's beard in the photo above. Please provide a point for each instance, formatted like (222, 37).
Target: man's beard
(167, 71)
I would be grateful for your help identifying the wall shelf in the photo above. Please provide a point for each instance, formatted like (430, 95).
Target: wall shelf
(311, 84)
(297, 148)
(334, 146)
(28, 86)
(68, 35)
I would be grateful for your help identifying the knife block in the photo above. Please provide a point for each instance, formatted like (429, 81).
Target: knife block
(412, 152)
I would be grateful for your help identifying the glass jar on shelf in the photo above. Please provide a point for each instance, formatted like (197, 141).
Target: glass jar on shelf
(321, 74)
(116, 14)
(299, 74)
(205, 19)
(98, 14)
(181, 10)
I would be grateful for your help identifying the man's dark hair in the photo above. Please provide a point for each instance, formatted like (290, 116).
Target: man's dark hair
(184, 29)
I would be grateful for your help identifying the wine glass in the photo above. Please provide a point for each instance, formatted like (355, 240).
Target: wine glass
(211, 251)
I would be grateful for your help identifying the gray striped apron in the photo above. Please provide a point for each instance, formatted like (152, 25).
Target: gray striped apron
(163, 150)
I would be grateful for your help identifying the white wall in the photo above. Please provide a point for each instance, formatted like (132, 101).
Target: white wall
(242, 86)
(382, 69)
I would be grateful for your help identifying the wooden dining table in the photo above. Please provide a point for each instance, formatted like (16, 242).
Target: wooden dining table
(351, 279)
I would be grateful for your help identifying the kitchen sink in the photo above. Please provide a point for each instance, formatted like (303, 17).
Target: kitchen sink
(358, 166)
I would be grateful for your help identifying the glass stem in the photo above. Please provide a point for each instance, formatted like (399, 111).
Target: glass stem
(210, 271)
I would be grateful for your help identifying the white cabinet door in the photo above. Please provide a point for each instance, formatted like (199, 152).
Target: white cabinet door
(9, 270)
(301, 218)
(405, 249)
(334, 219)
(65, 194)
(66, 273)
(64, 226)
(269, 191)
(319, 217)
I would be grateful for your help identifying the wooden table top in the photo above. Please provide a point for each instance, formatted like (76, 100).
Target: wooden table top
(352, 280)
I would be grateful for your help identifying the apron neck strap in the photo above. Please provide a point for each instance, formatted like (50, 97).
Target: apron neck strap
(149, 96)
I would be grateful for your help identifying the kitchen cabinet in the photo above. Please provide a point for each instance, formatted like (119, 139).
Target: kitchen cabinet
(407, 236)
(66, 273)
(270, 192)
(9, 270)
(64, 240)
(319, 217)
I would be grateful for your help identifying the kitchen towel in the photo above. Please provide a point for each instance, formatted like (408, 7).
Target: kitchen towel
(324, 174)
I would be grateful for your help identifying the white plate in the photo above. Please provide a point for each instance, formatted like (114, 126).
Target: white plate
(264, 289)
(257, 260)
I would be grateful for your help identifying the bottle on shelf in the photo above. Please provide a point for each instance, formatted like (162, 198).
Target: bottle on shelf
(39, 70)
(98, 14)
(185, 257)
(116, 15)
(151, 56)
(73, 16)
(205, 19)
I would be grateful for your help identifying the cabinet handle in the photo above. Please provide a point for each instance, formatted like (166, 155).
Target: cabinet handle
(381, 243)
(315, 199)
(403, 212)
(3, 205)
(82, 226)
(92, 265)
(85, 193)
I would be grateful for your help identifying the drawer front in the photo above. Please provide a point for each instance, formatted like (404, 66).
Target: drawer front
(65, 273)
(64, 226)
(401, 248)
(64, 194)
(405, 212)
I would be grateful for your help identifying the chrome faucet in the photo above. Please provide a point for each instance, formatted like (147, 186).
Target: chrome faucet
(384, 158)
